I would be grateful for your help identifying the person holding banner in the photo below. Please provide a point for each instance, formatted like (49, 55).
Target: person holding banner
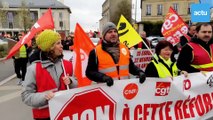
(196, 55)
(186, 38)
(50, 73)
(163, 65)
(111, 59)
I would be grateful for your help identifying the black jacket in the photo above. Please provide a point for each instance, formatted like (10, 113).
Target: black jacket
(37, 55)
(183, 40)
(66, 44)
(92, 67)
(151, 70)
(34, 55)
(185, 57)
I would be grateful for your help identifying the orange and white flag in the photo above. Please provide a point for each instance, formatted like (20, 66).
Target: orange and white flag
(82, 47)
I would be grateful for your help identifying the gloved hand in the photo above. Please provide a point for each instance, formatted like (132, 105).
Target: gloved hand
(109, 81)
(142, 77)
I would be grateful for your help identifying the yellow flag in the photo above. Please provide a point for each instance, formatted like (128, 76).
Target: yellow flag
(127, 33)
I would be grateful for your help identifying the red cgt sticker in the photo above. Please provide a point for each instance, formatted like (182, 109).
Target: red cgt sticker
(162, 88)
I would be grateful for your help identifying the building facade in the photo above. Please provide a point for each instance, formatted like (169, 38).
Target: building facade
(155, 10)
(109, 8)
(12, 22)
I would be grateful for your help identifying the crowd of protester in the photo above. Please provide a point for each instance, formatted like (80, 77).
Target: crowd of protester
(195, 55)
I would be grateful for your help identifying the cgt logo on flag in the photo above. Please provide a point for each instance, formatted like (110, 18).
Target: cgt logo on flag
(200, 13)
(162, 88)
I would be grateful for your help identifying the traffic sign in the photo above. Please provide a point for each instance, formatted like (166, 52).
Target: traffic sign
(93, 104)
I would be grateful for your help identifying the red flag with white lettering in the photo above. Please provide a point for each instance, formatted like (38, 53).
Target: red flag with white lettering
(82, 47)
(173, 27)
(44, 22)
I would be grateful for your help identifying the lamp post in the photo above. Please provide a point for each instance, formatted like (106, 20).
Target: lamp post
(97, 26)
(135, 11)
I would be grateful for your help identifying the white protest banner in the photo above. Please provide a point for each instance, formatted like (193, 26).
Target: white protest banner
(156, 99)
(142, 57)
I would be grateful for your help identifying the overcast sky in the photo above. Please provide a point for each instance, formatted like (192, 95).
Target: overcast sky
(88, 13)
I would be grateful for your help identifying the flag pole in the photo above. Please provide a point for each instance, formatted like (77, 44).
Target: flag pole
(65, 74)
(148, 48)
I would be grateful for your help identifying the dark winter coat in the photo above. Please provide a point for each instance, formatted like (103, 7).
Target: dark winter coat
(185, 57)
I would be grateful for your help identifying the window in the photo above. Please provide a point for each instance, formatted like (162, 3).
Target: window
(60, 15)
(160, 9)
(32, 15)
(61, 24)
(10, 25)
(10, 19)
(189, 8)
(175, 6)
(148, 9)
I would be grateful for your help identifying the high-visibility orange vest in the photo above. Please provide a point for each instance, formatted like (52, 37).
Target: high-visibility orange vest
(45, 82)
(202, 60)
(107, 66)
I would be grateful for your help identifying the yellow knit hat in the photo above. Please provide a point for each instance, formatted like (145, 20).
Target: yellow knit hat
(46, 39)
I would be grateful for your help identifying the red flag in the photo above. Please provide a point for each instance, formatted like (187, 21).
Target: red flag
(173, 27)
(45, 22)
(82, 47)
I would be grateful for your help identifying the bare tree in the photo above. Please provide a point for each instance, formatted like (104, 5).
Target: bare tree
(24, 16)
(21, 17)
(124, 8)
(3, 14)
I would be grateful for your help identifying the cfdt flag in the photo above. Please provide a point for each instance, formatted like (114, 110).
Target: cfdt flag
(82, 47)
(44, 22)
(127, 33)
(173, 27)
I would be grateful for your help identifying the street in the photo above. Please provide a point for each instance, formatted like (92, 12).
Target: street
(6, 69)
(11, 106)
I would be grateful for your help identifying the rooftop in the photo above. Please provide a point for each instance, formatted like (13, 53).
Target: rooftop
(33, 4)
